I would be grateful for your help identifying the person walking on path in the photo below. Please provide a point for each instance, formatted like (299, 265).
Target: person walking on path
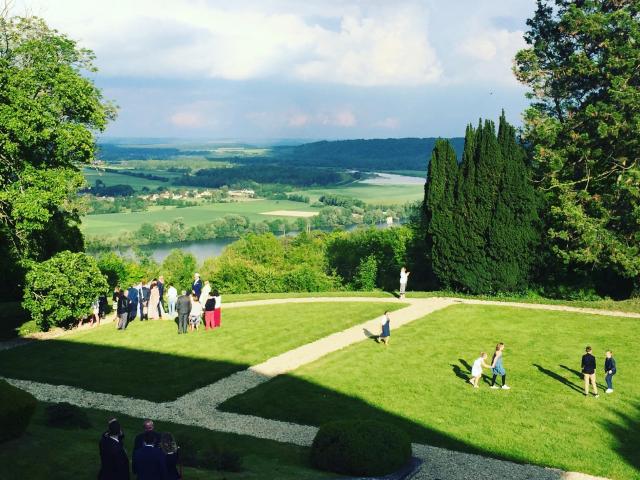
(476, 369)
(183, 308)
(196, 286)
(195, 314)
(172, 297)
(609, 370)
(217, 313)
(122, 309)
(589, 372)
(209, 310)
(148, 461)
(154, 301)
(385, 323)
(114, 462)
(497, 368)
(404, 278)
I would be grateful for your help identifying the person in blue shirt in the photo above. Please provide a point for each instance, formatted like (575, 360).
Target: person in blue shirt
(609, 370)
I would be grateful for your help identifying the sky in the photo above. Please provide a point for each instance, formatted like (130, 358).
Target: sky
(312, 69)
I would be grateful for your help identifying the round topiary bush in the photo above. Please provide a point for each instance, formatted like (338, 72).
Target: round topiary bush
(361, 447)
(16, 410)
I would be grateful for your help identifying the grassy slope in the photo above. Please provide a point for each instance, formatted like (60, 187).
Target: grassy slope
(73, 453)
(114, 223)
(107, 360)
(419, 383)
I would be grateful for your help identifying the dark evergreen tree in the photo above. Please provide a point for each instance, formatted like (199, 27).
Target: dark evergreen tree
(438, 209)
(481, 219)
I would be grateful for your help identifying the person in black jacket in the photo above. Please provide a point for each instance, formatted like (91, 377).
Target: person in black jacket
(122, 306)
(589, 372)
(148, 461)
(183, 308)
(114, 462)
(609, 370)
(171, 452)
(148, 427)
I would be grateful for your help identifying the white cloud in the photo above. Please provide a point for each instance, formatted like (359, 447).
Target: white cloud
(194, 38)
(389, 122)
(187, 120)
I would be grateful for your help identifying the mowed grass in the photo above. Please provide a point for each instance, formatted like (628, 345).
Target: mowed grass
(111, 224)
(150, 360)
(420, 383)
(73, 453)
(372, 194)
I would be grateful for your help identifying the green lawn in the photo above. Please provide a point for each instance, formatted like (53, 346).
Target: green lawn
(373, 194)
(64, 454)
(114, 223)
(420, 383)
(107, 360)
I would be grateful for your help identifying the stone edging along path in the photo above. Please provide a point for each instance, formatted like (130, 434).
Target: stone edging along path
(189, 410)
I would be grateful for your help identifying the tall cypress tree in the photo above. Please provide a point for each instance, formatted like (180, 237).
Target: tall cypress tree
(438, 208)
(514, 234)
(481, 219)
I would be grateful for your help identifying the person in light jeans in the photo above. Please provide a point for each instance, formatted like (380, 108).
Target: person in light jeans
(172, 298)
(404, 277)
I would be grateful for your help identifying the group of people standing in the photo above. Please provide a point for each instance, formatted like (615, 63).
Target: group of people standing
(146, 300)
(155, 455)
(588, 368)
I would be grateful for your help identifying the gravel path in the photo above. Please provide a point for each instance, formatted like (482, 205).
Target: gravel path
(439, 463)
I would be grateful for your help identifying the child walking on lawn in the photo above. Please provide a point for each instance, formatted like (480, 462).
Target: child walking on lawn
(476, 369)
(609, 370)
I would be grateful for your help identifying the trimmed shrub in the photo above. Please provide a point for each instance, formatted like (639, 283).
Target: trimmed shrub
(65, 415)
(360, 447)
(16, 409)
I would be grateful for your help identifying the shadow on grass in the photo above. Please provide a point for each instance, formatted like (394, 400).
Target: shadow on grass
(627, 434)
(559, 378)
(580, 376)
(370, 335)
(161, 377)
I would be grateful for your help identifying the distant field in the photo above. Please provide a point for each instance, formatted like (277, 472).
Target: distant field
(109, 179)
(290, 213)
(373, 194)
(113, 223)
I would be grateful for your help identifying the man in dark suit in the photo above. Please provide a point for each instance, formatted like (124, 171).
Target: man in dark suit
(133, 303)
(145, 293)
(148, 461)
(148, 427)
(183, 307)
(161, 293)
(196, 287)
(114, 463)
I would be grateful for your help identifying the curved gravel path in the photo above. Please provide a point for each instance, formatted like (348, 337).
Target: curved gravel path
(438, 463)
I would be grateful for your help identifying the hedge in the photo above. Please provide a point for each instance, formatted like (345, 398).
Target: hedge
(16, 409)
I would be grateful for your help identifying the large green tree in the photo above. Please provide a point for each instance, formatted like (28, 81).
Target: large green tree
(582, 65)
(49, 113)
(481, 217)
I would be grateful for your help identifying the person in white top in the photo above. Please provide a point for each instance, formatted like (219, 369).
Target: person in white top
(204, 295)
(172, 297)
(195, 314)
(476, 369)
(404, 277)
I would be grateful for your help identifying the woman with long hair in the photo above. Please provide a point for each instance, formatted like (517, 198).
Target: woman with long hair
(497, 368)
(170, 450)
(154, 301)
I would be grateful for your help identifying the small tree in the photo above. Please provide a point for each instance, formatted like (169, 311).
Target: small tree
(60, 290)
(178, 269)
(366, 274)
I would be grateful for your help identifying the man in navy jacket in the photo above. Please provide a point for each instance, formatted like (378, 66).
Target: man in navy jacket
(149, 462)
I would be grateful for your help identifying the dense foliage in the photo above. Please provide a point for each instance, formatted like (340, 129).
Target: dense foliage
(264, 263)
(48, 113)
(242, 176)
(480, 218)
(60, 290)
(581, 66)
(16, 409)
(360, 447)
